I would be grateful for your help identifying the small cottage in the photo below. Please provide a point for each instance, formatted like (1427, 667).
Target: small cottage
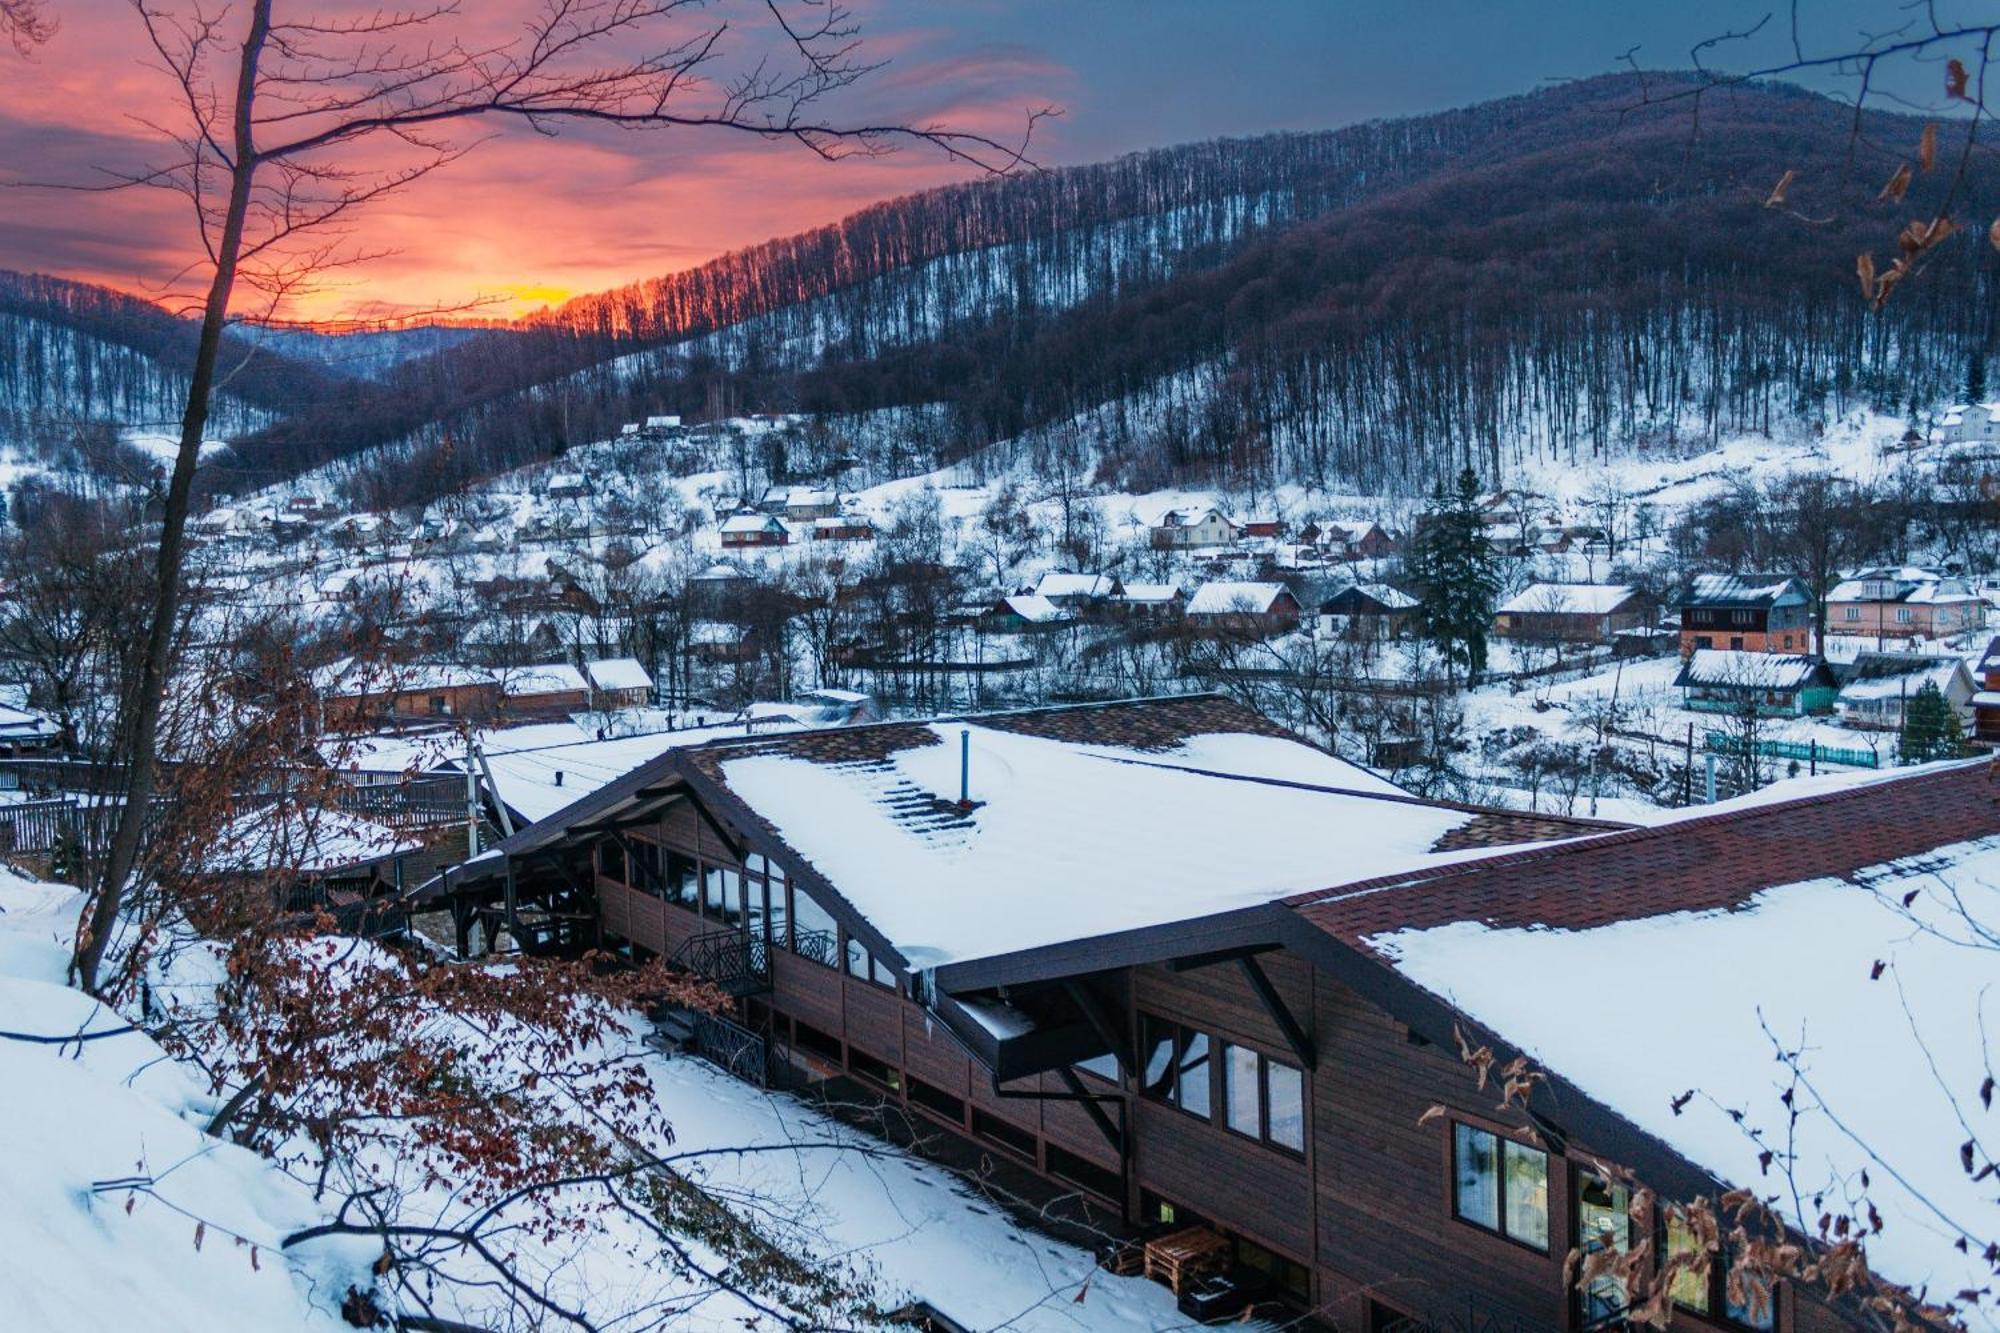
(1721, 680)
(1234, 607)
(1368, 611)
(1880, 685)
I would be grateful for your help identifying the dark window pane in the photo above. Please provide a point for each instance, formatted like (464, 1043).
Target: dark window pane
(1526, 1190)
(1239, 1090)
(1158, 1070)
(884, 975)
(1476, 1169)
(1193, 1091)
(1288, 1105)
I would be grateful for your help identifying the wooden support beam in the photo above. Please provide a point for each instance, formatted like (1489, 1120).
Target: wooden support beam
(1092, 1103)
(1274, 1005)
(1100, 1020)
(1199, 960)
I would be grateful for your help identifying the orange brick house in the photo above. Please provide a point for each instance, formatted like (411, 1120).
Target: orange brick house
(1750, 613)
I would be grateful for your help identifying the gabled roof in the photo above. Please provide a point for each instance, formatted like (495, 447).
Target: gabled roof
(618, 673)
(1745, 591)
(553, 678)
(1222, 597)
(753, 523)
(1062, 583)
(1716, 942)
(1368, 598)
(1569, 599)
(1725, 668)
(1031, 607)
(1898, 675)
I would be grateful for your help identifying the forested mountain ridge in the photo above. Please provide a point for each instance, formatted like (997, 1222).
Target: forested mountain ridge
(1564, 271)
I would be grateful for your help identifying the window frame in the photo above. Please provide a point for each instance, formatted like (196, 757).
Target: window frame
(1498, 1228)
(1263, 1064)
(1180, 1041)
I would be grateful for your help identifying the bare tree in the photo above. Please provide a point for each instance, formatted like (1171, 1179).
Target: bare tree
(26, 24)
(269, 121)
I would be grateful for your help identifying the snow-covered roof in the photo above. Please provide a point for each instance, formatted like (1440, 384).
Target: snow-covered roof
(752, 523)
(350, 679)
(25, 724)
(1062, 583)
(804, 497)
(1574, 599)
(554, 678)
(1756, 932)
(833, 521)
(1745, 590)
(1067, 839)
(618, 673)
(1884, 677)
(1150, 592)
(312, 841)
(1223, 597)
(720, 572)
(1736, 669)
(1034, 608)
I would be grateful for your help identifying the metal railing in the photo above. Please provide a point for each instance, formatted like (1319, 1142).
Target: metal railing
(817, 946)
(736, 960)
(733, 1048)
(1804, 751)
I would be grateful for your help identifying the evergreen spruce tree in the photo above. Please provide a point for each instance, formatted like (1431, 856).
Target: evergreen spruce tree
(1975, 377)
(1930, 728)
(1456, 574)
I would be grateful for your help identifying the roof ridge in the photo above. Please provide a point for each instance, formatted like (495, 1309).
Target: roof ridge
(1622, 837)
(1089, 705)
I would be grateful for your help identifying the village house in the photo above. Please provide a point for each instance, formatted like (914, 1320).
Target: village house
(1246, 1052)
(365, 694)
(751, 529)
(1350, 540)
(804, 504)
(618, 682)
(1368, 611)
(1905, 603)
(1230, 607)
(567, 486)
(1724, 680)
(1022, 612)
(1756, 613)
(1962, 424)
(1877, 687)
(721, 641)
(553, 689)
(1986, 701)
(1197, 526)
(1077, 591)
(1149, 601)
(1264, 525)
(844, 528)
(1582, 613)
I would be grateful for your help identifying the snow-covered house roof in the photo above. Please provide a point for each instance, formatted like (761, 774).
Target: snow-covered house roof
(1150, 594)
(1900, 675)
(553, 678)
(1192, 516)
(753, 523)
(1058, 584)
(1082, 821)
(1834, 924)
(1032, 608)
(349, 678)
(19, 724)
(1568, 599)
(721, 572)
(1227, 597)
(663, 423)
(1727, 668)
(1909, 584)
(1746, 591)
(618, 673)
(274, 839)
(1355, 596)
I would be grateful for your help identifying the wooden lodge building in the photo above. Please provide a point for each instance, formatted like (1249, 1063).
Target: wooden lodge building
(1196, 1023)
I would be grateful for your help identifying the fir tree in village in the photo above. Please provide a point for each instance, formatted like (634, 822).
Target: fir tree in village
(1456, 575)
(1975, 377)
(1930, 728)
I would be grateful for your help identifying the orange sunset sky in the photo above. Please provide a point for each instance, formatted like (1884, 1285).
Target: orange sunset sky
(527, 220)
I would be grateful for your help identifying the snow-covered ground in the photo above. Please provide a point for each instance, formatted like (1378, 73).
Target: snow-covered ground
(197, 1246)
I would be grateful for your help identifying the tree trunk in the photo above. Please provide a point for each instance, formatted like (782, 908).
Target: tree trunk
(142, 732)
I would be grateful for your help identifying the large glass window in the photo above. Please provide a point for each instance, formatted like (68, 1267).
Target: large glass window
(611, 860)
(1241, 1098)
(683, 882)
(1690, 1280)
(813, 930)
(1286, 1098)
(866, 967)
(722, 894)
(1500, 1185)
(1603, 1224)
(1744, 1298)
(1263, 1098)
(1177, 1065)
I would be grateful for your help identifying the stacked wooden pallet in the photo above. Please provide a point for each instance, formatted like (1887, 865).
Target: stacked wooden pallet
(1184, 1256)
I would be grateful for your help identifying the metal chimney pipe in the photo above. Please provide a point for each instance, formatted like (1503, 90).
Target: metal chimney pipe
(965, 766)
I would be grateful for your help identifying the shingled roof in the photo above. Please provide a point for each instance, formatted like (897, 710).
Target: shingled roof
(1705, 862)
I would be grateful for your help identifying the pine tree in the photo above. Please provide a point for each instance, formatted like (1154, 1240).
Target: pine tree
(1930, 728)
(1975, 377)
(1456, 574)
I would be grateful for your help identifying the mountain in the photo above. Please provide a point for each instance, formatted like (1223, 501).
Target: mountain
(1561, 273)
